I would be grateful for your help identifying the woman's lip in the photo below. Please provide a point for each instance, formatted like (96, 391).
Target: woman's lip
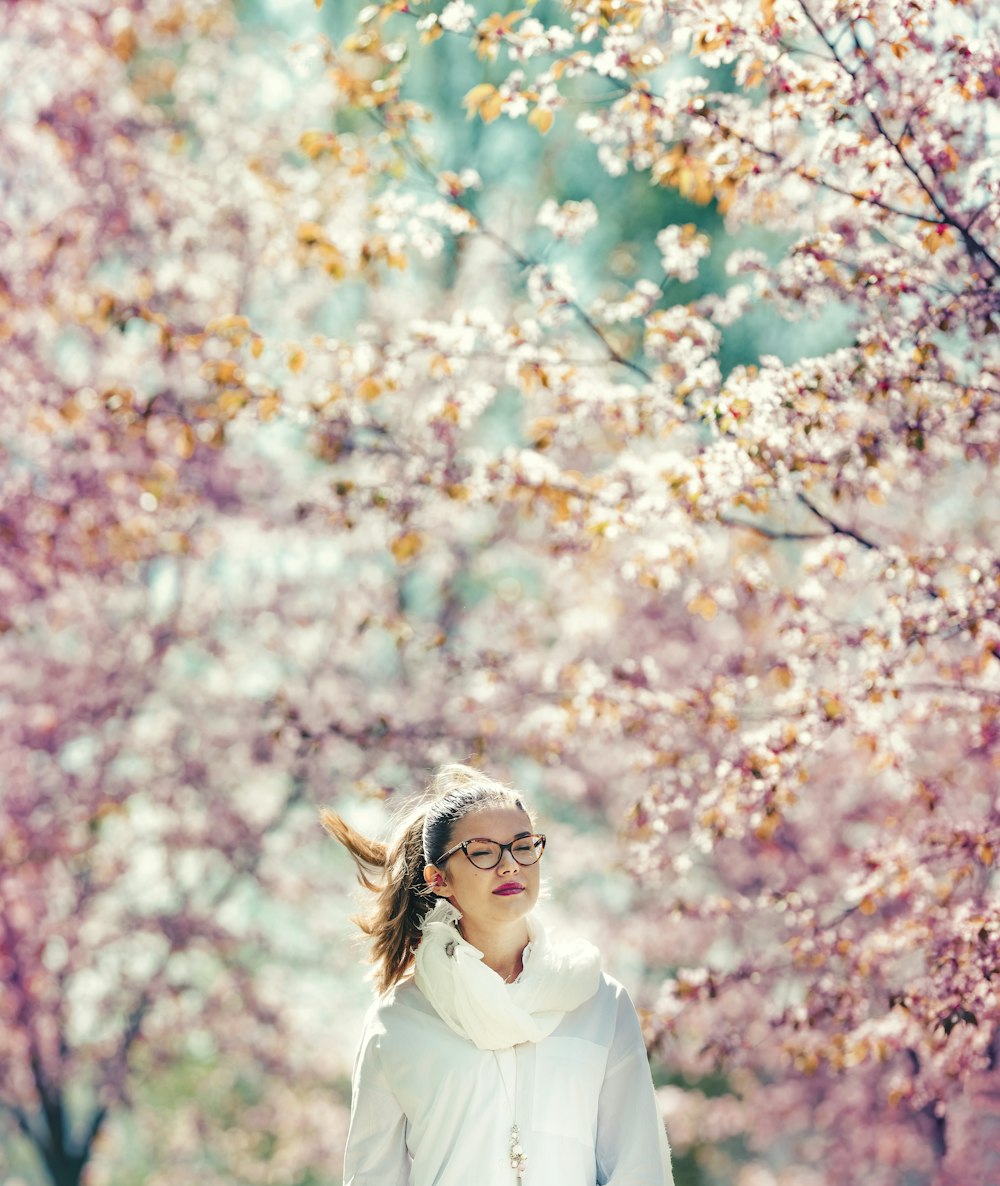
(512, 887)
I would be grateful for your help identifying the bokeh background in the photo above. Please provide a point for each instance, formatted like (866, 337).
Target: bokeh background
(602, 393)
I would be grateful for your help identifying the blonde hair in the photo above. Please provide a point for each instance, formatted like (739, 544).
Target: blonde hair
(394, 872)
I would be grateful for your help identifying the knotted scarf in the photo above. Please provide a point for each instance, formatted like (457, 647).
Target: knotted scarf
(476, 1002)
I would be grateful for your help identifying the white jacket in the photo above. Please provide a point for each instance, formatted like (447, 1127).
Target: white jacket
(429, 1108)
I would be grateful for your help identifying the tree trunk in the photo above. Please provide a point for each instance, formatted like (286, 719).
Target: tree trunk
(65, 1169)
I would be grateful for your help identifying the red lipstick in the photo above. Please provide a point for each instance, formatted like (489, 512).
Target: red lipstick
(509, 887)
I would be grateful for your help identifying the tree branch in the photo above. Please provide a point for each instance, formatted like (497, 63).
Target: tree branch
(972, 244)
(772, 532)
(835, 527)
(21, 1119)
(523, 261)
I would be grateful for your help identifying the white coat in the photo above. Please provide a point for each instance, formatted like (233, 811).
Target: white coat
(430, 1108)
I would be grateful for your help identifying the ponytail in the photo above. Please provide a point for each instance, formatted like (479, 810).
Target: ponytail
(395, 872)
(402, 894)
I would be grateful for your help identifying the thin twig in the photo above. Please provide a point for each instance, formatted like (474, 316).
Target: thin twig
(973, 244)
(835, 527)
(523, 261)
(772, 532)
(21, 1119)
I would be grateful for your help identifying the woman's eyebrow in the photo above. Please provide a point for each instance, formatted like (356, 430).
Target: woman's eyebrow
(518, 836)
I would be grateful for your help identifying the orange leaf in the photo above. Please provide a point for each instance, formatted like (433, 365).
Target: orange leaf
(224, 370)
(310, 233)
(491, 108)
(542, 119)
(781, 675)
(768, 826)
(125, 44)
(71, 411)
(406, 546)
(269, 407)
(704, 43)
(439, 366)
(475, 98)
(937, 237)
(185, 442)
(704, 605)
(369, 388)
(314, 143)
(755, 74)
(231, 401)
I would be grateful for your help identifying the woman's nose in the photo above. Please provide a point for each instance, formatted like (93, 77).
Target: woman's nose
(506, 864)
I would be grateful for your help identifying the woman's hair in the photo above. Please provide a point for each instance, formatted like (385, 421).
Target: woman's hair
(394, 872)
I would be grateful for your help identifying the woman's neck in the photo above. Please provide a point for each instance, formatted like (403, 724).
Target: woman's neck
(502, 949)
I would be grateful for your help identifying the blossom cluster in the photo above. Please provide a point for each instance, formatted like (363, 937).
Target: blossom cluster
(809, 525)
(329, 464)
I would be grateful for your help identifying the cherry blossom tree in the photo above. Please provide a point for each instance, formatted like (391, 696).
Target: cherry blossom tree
(137, 846)
(338, 455)
(147, 839)
(758, 605)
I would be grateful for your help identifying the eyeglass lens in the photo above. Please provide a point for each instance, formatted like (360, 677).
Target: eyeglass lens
(486, 854)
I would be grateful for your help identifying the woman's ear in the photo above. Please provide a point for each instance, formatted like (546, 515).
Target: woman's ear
(437, 881)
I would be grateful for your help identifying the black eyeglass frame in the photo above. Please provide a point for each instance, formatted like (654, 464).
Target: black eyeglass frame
(534, 837)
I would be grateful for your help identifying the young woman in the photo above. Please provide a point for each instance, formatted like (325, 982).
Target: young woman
(495, 1055)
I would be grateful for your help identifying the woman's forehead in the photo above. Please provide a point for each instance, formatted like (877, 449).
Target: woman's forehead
(493, 823)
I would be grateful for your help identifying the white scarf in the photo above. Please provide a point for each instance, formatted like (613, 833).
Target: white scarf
(477, 1003)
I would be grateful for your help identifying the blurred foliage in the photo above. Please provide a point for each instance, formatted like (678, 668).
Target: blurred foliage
(519, 168)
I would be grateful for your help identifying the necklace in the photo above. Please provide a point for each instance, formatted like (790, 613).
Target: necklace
(518, 969)
(518, 1157)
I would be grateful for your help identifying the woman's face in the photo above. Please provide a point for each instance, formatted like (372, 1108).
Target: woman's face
(493, 897)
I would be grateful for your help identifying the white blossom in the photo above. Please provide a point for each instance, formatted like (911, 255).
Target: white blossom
(570, 220)
(457, 16)
(681, 247)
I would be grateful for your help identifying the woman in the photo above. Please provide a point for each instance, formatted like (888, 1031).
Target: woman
(505, 1057)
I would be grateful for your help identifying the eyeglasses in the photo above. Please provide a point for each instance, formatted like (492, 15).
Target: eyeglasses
(486, 854)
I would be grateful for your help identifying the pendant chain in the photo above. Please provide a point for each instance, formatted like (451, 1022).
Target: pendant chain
(518, 1157)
